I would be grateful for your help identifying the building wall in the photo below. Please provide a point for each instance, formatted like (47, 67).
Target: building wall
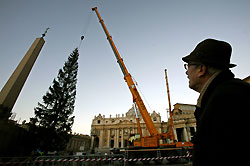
(113, 132)
(184, 122)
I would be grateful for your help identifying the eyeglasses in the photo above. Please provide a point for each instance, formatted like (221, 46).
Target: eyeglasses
(190, 64)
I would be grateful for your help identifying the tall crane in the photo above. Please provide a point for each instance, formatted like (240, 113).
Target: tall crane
(171, 126)
(132, 87)
(145, 144)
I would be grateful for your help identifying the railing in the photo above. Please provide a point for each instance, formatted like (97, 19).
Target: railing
(85, 160)
(80, 160)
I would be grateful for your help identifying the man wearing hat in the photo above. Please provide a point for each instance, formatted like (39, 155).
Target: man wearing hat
(222, 107)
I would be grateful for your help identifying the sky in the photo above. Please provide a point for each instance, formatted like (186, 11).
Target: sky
(150, 35)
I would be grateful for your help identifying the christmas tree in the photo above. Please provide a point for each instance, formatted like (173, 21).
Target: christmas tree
(53, 117)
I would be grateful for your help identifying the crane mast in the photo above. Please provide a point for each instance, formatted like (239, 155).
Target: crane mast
(170, 110)
(136, 96)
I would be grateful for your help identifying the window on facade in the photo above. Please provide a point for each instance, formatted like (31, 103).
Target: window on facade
(98, 122)
(154, 119)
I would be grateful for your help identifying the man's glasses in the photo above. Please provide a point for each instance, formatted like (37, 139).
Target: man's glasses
(190, 64)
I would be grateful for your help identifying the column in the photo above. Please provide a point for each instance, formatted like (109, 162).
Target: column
(101, 139)
(108, 139)
(136, 131)
(143, 131)
(116, 143)
(118, 136)
(122, 139)
(175, 134)
(92, 142)
(185, 134)
(159, 130)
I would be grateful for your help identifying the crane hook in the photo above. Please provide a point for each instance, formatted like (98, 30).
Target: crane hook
(82, 37)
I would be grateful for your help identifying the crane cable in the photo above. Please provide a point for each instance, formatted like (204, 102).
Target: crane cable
(140, 91)
(85, 28)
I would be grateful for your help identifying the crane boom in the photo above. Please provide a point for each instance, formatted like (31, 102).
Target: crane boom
(170, 110)
(136, 96)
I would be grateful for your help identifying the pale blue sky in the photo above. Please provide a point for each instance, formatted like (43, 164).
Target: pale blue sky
(150, 36)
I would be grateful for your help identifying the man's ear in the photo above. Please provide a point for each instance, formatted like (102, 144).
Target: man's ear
(202, 70)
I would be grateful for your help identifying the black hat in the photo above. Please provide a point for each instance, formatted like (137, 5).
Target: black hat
(211, 52)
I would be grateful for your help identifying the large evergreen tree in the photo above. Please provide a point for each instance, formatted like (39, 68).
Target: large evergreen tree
(53, 117)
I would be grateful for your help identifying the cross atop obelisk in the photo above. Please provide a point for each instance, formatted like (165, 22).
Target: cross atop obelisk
(43, 35)
(14, 85)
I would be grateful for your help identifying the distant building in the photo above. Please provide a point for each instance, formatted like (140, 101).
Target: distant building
(78, 143)
(113, 132)
(184, 122)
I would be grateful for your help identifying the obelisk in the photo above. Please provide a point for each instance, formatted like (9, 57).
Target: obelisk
(14, 85)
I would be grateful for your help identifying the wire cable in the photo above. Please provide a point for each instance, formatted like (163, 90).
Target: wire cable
(145, 99)
(85, 28)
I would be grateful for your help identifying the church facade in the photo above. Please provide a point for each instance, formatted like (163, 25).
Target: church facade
(114, 132)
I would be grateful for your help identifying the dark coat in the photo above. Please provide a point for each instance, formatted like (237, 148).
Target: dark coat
(223, 123)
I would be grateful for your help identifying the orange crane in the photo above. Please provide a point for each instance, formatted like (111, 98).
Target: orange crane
(132, 87)
(171, 126)
(137, 120)
(153, 140)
